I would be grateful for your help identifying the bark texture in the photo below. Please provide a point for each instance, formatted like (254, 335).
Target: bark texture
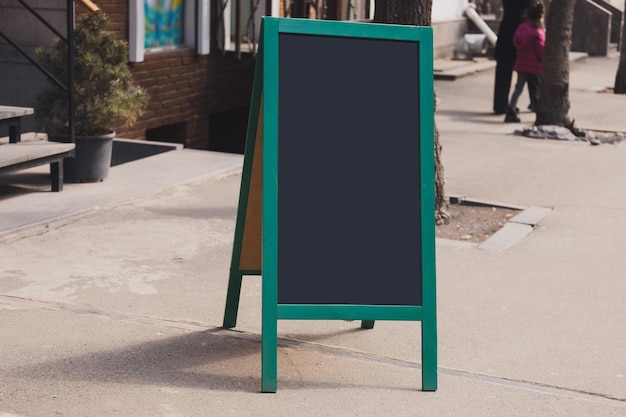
(554, 104)
(620, 77)
(404, 12)
(418, 13)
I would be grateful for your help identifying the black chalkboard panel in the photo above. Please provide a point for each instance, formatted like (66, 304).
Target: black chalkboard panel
(349, 227)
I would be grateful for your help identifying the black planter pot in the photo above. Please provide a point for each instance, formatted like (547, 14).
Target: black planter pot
(92, 158)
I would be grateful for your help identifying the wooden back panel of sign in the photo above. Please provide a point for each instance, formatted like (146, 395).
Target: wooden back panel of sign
(251, 253)
(247, 246)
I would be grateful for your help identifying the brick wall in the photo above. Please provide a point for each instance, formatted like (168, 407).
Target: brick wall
(184, 87)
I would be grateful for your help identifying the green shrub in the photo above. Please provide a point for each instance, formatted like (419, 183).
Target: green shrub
(104, 92)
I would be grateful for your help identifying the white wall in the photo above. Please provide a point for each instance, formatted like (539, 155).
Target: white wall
(447, 9)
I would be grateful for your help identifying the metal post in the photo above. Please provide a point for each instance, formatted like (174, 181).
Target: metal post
(238, 12)
(70, 68)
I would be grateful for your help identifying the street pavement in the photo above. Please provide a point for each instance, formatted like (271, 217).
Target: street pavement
(112, 294)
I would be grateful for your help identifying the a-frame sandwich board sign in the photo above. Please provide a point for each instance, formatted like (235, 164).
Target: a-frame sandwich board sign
(336, 209)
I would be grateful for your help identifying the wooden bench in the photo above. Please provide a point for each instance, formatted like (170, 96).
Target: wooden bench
(17, 155)
(23, 155)
(11, 116)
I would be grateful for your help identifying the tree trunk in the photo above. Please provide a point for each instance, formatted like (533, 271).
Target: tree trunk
(403, 12)
(418, 13)
(442, 215)
(620, 77)
(554, 103)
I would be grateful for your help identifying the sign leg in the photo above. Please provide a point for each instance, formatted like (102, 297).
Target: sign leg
(429, 356)
(232, 299)
(269, 354)
(367, 324)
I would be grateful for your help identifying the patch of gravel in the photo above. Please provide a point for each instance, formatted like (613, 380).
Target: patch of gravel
(474, 223)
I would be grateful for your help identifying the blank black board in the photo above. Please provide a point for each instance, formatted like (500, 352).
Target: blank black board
(349, 229)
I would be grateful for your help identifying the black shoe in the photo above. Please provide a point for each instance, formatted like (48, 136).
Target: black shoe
(511, 118)
(532, 108)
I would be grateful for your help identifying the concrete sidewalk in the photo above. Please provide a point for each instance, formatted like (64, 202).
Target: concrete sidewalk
(452, 69)
(112, 294)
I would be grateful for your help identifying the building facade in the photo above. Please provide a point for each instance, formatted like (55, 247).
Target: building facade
(195, 58)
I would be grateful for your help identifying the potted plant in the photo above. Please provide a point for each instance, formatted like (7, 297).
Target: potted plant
(105, 96)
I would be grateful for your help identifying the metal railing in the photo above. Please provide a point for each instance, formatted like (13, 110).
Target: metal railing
(69, 41)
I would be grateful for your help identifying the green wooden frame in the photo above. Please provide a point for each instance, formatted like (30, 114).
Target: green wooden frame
(236, 273)
(265, 90)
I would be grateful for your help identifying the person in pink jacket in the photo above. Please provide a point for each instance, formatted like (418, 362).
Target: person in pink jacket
(529, 41)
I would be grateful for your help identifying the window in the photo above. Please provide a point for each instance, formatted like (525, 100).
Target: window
(163, 23)
(242, 36)
(157, 25)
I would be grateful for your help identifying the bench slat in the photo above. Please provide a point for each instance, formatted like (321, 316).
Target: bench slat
(19, 156)
(17, 153)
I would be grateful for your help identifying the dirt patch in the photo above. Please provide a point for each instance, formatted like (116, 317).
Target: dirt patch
(474, 223)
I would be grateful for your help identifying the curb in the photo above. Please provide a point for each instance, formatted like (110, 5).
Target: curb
(514, 230)
(462, 70)
(517, 228)
(451, 69)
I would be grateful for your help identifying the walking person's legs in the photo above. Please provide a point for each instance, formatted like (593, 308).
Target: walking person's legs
(511, 113)
(534, 84)
(502, 86)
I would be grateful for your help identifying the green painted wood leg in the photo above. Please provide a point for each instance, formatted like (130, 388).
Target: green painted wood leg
(269, 377)
(367, 324)
(232, 299)
(269, 352)
(429, 355)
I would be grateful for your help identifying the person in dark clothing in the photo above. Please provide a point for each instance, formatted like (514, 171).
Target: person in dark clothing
(529, 41)
(505, 52)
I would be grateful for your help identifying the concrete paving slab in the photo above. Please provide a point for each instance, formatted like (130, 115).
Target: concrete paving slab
(479, 202)
(27, 202)
(507, 236)
(8, 415)
(149, 367)
(462, 68)
(451, 69)
(531, 216)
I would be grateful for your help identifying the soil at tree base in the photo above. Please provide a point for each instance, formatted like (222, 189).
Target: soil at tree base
(474, 223)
